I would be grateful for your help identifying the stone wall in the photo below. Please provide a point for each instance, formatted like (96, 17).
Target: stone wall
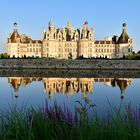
(20, 64)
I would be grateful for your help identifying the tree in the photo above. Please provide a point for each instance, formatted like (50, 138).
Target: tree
(14, 56)
(134, 52)
(106, 57)
(24, 56)
(2, 56)
(70, 56)
(80, 57)
(123, 57)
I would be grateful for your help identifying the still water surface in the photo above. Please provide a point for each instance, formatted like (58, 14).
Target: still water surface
(34, 91)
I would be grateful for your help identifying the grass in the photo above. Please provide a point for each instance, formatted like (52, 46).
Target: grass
(57, 123)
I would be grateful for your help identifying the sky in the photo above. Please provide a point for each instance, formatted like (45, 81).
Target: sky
(105, 16)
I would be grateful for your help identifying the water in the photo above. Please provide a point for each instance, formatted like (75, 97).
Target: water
(34, 91)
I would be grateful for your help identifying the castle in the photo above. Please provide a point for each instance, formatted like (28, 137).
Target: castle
(69, 42)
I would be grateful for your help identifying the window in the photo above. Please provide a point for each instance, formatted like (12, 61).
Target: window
(37, 50)
(90, 49)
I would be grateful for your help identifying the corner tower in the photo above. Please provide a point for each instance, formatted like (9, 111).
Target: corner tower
(13, 42)
(86, 42)
(124, 44)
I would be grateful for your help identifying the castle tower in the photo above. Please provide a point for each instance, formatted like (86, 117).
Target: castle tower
(124, 44)
(84, 48)
(13, 42)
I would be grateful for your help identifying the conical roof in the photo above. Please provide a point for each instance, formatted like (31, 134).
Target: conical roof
(15, 35)
(124, 36)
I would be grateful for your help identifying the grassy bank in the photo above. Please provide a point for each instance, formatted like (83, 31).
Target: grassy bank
(56, 123)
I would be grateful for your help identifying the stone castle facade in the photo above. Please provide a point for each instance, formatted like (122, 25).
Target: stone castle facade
(69, 42)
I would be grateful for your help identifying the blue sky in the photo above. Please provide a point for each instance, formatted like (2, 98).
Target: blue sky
(105, 16)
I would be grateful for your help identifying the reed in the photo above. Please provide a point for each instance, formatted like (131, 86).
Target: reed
(58, 123)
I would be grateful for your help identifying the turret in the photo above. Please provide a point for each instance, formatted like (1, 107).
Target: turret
(85, 30)
(85, 26)
(51, 26)
(124, 27)
(15, 27)
(124, 31)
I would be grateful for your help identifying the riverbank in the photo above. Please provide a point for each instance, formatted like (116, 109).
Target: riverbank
(86, 64)
(70, 73)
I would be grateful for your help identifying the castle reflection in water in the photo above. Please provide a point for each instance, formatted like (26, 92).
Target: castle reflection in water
(69, 86)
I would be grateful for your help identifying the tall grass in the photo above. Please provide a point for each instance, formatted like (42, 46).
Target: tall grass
(58, 123)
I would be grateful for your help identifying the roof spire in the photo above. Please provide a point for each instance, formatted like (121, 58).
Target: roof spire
(69, 24)
(124, 27)
(51, 24)
(15, 26)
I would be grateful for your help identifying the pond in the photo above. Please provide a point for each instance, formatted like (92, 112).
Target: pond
(34, 91)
